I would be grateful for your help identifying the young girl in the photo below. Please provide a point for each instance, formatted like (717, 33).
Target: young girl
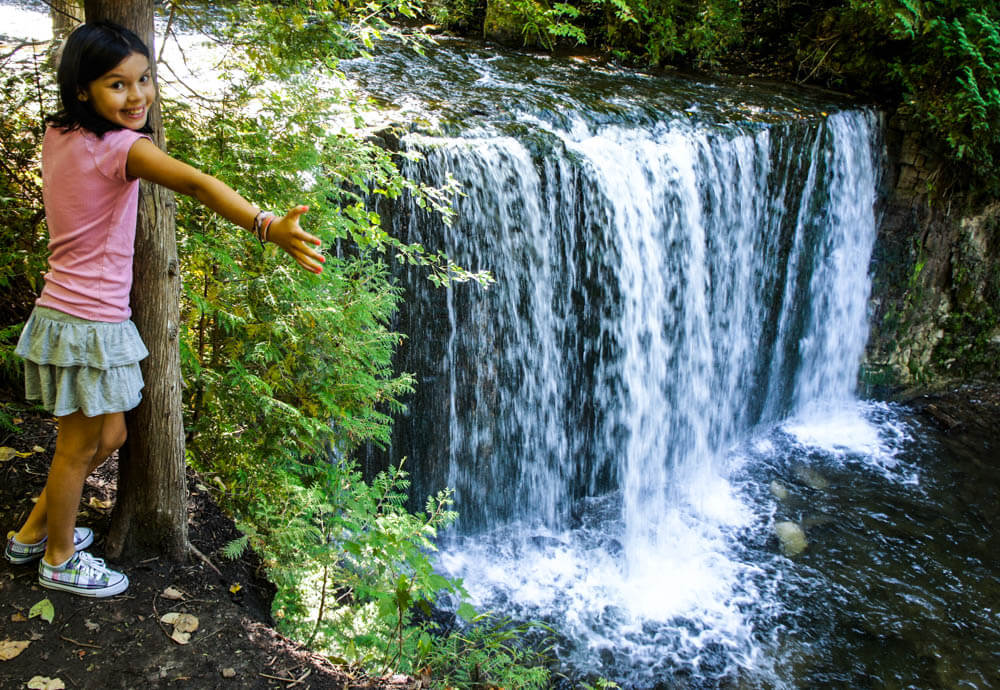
(81, 350)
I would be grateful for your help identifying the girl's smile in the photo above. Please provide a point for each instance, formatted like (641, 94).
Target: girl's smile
(123, 95)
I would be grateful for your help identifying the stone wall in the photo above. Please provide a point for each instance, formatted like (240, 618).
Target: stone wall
(936, 273)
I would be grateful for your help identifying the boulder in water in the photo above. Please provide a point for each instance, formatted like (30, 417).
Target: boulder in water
(792, 538)
(811, 478)
(779, 490)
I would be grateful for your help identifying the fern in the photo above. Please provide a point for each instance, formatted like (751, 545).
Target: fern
(236, 548)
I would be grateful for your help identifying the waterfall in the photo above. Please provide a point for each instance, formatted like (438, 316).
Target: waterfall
(661, 290)
(673, 283)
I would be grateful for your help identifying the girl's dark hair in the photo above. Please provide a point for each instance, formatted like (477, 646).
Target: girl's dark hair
(90, 51)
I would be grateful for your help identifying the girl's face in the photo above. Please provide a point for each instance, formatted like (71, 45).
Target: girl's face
(123, 95)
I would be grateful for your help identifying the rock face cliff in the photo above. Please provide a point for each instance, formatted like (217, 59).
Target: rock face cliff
(936, 273)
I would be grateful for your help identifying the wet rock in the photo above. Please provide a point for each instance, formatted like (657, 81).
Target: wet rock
(818, 520)
(607, 657)
(544, 543)
(791, 537)
(811, 478)
(613, 547)
(779, 490)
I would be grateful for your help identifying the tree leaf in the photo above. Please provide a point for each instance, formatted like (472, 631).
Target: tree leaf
(466, 611)
(43, 609)
(97, 503)
(44, 683)
(186, 623)
(11, 648)
(6, 453)
(172, 594)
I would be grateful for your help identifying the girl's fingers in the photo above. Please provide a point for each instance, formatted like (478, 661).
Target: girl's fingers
(304, 254)
(306, 237)
(296, 212)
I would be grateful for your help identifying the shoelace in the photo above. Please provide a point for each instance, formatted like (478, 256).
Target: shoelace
(91, 566)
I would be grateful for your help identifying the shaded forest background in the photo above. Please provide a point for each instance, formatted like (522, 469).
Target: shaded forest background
(286, 376)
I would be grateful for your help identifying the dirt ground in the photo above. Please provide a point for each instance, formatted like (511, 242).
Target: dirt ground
(120, 642)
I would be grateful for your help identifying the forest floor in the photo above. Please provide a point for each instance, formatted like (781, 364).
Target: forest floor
(120, 642)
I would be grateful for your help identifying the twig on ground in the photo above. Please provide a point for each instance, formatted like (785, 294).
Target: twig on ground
(283, 680)
(80, 644)
(204, 558)
(156, 615)
(301, 678)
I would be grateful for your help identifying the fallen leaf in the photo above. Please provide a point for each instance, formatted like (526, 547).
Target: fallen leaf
(38, 449)
(186, 623)
(172, 594)
(17, 420)
(17, 618)
(95, 502)
(43, 683)
(11, 648)
(181, 637)
(170, 618)
(43, 609)
(7, 453)
(229, 672)
(91, 626)
(235, 588)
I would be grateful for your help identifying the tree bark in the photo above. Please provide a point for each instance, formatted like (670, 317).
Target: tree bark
(66, 14)
(150, 514)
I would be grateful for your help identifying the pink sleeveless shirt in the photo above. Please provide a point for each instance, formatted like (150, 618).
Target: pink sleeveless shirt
(90, 206)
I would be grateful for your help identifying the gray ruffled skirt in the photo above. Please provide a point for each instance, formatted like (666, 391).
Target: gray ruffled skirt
(74, 364)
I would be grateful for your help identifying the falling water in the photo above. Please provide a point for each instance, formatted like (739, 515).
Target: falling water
(661, 291)
(668, 284)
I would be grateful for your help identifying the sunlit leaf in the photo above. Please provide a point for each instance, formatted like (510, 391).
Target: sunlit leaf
(44, 610)
(11, 648)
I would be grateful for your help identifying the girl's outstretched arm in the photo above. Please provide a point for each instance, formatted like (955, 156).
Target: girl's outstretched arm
(147, 161)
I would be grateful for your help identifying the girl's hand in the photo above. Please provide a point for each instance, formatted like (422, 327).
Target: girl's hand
(286, 233)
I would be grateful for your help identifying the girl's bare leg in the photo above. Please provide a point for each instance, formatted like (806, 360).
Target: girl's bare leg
(82, 445)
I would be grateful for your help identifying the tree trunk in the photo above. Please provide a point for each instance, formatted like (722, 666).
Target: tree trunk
(150, 515)
(66, 14)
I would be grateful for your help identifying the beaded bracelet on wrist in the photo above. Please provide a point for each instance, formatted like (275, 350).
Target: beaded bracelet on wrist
(261, 224)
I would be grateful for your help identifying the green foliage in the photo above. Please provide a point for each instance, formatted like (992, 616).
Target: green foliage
(658, 32)
(24, 93)
(600, 684)
(545, 24)
(287, 373)
(352, 564)
(968, 347)
(490, 653)
(938, 59)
